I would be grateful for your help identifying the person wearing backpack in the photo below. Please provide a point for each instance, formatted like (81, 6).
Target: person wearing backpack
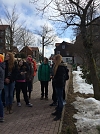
(54, 96)
(59, 79)
(44, 77)
(66, 78)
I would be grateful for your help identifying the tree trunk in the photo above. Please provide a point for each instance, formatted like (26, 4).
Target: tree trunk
(42, 48)
(93, 74)
(43, 51)
(90, 61)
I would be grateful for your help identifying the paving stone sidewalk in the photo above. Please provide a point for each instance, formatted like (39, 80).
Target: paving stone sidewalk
(32, 120)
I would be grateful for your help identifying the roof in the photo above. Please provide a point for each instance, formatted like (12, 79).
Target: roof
(15, 49)
(3, 27)
(57, 44)
(67, 43)
(33, 48)
(30, 48)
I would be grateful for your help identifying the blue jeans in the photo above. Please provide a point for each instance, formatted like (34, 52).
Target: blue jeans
(1, 105)
(59, 92)
(9, 90)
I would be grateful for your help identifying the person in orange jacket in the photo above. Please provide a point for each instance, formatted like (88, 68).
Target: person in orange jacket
(34, 71)
(34, 65)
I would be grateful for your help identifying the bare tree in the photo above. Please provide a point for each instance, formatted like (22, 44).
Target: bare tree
(11, 19)
(82, 14)
(25, 38)
(47, 35)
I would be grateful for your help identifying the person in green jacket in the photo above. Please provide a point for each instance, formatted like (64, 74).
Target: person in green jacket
(44, 77)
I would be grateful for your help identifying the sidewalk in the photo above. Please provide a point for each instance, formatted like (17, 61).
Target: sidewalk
(31, 120)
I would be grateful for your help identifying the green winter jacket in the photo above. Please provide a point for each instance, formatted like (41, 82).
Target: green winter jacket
(44, 72)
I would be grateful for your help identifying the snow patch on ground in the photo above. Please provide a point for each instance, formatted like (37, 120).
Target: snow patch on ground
(88, 115)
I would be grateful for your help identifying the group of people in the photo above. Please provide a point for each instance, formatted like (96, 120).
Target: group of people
(19, 75)
(15, 76)
(59, 74)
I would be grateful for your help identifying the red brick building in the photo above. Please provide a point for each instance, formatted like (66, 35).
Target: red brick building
(33, 51)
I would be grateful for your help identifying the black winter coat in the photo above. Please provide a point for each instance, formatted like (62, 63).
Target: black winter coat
(61, 75)
(10, 75)
(30, 70)
(19, 69)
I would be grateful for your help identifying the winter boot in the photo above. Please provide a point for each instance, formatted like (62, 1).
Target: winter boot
(55, 113)
(7, 110)
(58, 116)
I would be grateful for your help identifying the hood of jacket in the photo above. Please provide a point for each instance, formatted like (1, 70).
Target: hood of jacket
(63, 64)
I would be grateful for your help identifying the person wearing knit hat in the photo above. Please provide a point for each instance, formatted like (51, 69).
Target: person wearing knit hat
(2, 68)
(29, 59)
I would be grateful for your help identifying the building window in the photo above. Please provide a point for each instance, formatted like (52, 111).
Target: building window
(2, 33)
(67, 53)
(7, 47)
(1, 41)
(69, 60)
(58, 52)
(63, 46)
(1, 47)
(35, 53)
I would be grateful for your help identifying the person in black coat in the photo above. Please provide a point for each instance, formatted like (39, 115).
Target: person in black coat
(54, 96)
(21, 83)
(59, 79)
(2, 66)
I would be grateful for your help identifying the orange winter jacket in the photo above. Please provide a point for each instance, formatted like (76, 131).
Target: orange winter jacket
(34, 67)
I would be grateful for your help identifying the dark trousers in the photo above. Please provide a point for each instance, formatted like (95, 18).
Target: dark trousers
(54, 95)
(1, 105)
(21, 86)
(29, 87)
(3, 97)
(59, 91)
(44, 85)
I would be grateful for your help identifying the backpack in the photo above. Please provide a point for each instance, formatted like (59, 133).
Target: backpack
(66, 73)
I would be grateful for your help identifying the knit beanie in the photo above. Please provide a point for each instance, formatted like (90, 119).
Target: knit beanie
(1, 58)
(29, 59)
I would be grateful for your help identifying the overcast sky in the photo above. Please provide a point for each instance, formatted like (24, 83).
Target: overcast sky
(27, 13)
